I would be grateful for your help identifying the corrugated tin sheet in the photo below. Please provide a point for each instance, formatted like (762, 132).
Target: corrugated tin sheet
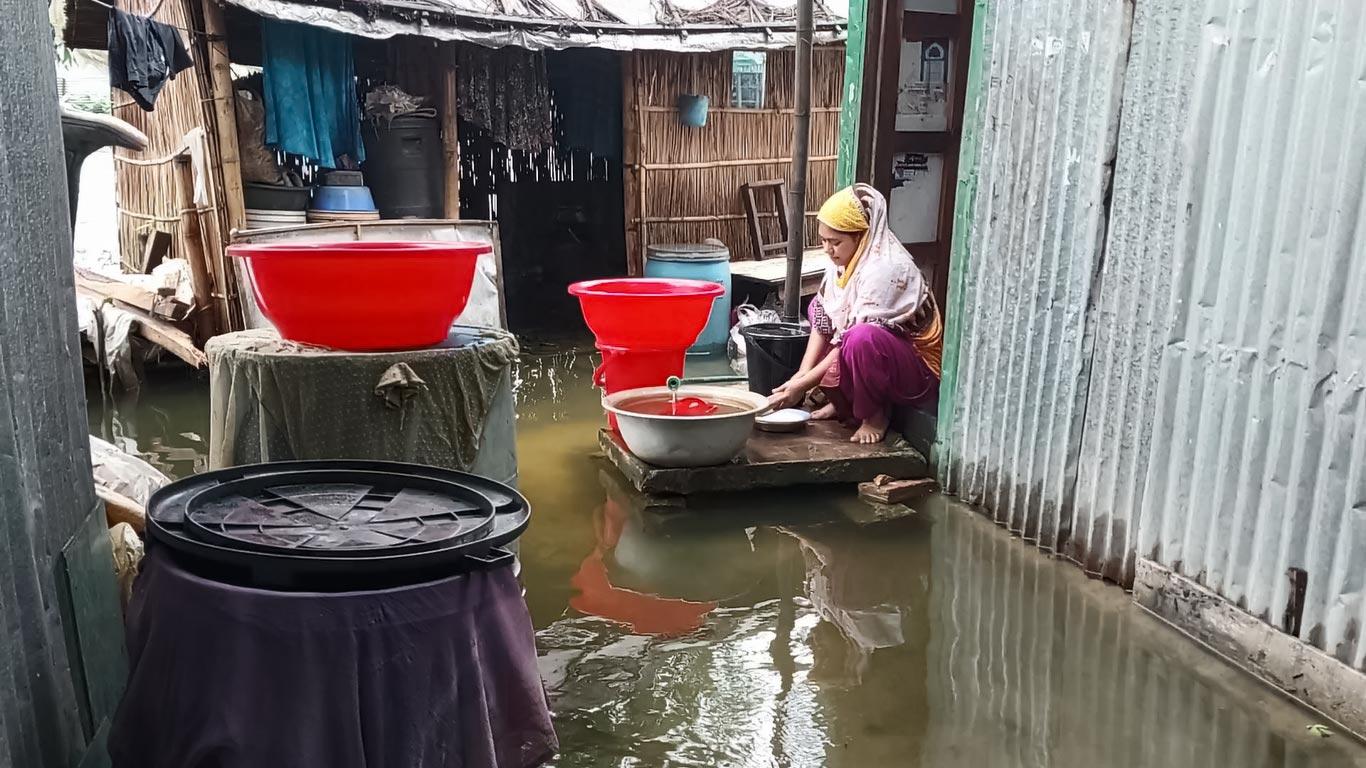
(1235, 295)
(1045, 124)
(624, 25)
(1201, 403)
(1028, 667)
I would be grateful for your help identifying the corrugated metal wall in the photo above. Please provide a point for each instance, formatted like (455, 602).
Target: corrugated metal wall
(1046, 116)
(1200, 403)
(1249, 203)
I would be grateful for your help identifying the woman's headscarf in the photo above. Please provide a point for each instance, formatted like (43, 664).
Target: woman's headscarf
(881, 284)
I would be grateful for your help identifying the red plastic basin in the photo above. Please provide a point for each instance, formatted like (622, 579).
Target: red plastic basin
(362, 296)
(643, 327)
(646, 313)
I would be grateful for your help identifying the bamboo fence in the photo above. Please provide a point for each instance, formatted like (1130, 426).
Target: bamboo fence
(684, 184)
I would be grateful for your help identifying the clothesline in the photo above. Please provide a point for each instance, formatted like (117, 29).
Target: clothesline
(186, 30)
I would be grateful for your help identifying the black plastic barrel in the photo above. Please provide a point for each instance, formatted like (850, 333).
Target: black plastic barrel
(404, 167)
(773, 354)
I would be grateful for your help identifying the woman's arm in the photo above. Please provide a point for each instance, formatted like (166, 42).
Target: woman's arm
(792, 392)
(816, 347)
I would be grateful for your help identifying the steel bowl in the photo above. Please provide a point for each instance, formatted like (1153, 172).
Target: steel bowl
(687, 441)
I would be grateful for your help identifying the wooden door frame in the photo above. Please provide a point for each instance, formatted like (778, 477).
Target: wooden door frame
(889, 25)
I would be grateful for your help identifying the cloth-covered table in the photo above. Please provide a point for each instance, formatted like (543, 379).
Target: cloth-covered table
(437, 675)
(450, 405)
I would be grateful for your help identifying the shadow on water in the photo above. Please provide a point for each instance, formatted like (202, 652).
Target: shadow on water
(750, 630)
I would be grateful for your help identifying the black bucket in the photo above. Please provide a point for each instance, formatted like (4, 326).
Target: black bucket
(773, 354)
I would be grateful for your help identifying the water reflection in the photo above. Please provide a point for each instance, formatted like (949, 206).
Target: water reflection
(166, 422)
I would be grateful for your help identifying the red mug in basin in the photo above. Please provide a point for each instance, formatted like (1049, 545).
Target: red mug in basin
(362, 296)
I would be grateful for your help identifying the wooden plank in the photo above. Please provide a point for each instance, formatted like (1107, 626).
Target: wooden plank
(129, 296)
(885, 489)
(450, 136)
(121, 509)
(158, 245)
(822, 454)
(773, 272)
(171, 339)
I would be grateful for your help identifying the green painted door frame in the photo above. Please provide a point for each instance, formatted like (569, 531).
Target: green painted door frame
(851, 104)
(961, 251)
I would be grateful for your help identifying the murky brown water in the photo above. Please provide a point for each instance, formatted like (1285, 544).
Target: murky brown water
(754, 631)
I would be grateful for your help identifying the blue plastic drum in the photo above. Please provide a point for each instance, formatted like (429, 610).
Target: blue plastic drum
(697, 262)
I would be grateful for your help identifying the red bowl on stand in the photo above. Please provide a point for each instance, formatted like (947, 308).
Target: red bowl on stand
(362, 296)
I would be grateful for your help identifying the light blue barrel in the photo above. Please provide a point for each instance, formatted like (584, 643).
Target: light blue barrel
(697, 262)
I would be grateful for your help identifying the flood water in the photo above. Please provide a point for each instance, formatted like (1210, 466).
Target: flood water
(767, 630)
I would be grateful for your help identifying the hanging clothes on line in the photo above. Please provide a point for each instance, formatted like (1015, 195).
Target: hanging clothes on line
(309, 83)
(143, 56)
(506, 92)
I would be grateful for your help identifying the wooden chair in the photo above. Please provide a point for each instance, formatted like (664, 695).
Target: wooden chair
(750, 193)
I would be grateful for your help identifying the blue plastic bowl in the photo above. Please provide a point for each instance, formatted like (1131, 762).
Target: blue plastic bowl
(349, 199)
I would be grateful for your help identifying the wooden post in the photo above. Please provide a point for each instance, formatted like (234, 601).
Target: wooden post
(632, 164)
(207, 322)
(225, 113)
(450, 134)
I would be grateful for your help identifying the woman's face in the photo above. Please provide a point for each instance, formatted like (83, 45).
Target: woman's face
(839, 246)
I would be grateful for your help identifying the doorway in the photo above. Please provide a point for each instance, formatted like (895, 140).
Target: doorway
(915, 78)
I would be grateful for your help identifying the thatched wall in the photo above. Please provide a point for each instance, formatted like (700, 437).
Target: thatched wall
(147, 194)
(689, 205)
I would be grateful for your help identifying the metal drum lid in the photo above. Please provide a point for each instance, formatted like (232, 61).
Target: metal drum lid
(336, 525)
(339, 513)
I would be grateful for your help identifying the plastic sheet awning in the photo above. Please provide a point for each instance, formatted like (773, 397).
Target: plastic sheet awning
(623, 25)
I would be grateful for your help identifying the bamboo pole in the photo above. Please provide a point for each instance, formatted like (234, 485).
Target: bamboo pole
(450, 135)
(206, 313)
(224, 107)
(801, 150)
(634, 181)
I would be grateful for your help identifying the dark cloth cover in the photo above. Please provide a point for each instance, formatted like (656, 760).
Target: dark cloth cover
(143, 55)
(436, 675)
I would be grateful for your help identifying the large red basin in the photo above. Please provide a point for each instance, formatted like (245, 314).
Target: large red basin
(643, 327)
(646, 313)
(362, 296)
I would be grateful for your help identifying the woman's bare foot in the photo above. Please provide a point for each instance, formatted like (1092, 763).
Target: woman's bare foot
(824, 413)
(872, 430)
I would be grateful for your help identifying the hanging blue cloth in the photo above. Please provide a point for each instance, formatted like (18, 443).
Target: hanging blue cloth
(310, 92)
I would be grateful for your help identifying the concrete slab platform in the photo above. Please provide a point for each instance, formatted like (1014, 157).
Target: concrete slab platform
(820, 455)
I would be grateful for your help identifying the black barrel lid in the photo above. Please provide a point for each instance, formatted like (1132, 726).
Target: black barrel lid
(339, 513)
(309, 524)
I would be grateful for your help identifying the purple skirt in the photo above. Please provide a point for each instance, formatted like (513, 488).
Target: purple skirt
(436, 675)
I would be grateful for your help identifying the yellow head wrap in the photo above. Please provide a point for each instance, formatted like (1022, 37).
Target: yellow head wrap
(843, 212)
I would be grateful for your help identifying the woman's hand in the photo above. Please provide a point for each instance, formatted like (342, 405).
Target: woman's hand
(788, 394)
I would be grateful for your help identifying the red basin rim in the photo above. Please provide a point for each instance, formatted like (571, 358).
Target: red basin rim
(635, 287)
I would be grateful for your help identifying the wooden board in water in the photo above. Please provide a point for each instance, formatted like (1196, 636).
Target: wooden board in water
(820, 455)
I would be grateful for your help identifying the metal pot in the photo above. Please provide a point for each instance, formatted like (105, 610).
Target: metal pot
(687, 441)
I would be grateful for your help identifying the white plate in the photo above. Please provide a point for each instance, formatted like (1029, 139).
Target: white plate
(786, 420)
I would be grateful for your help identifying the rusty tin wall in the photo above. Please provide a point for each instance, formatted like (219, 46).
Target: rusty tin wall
(1200, 403)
